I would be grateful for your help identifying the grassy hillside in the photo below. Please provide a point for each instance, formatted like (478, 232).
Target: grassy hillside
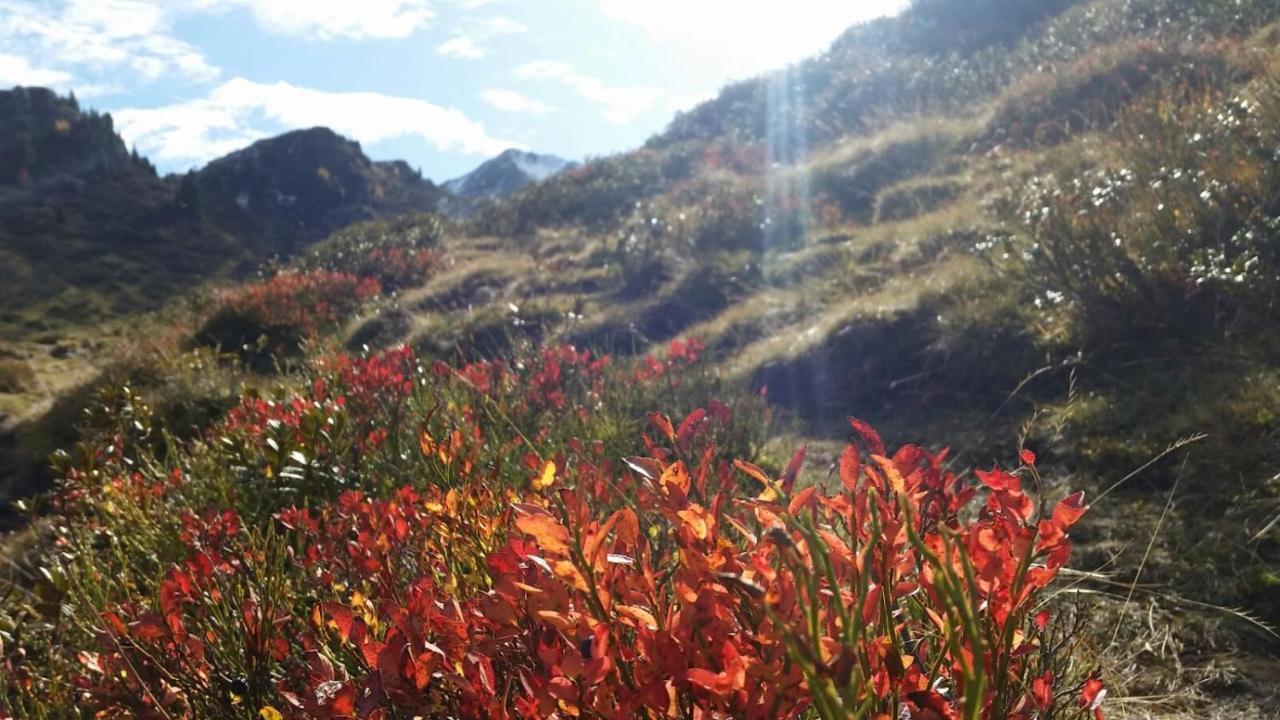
(971, 225)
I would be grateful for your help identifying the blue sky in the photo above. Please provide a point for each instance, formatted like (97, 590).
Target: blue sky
(443, 84)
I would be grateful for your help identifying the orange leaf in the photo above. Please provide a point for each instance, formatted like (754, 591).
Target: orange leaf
(802, 498)
(639, 615)
(753, 471)
(677, 475)
(694, 520)
(629, 528)
(546, 531)
(556, 620)
(596, 540)
(568, 572)
(896, 482)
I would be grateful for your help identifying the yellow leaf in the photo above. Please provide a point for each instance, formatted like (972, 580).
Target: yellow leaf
(270, 713)
(548, 477)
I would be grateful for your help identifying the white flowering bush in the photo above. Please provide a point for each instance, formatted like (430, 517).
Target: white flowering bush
(1181, 224)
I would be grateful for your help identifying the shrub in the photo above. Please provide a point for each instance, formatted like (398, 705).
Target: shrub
(1176, 233)
(398, 253)
(16, 376)
(276, 315)
(392, 538)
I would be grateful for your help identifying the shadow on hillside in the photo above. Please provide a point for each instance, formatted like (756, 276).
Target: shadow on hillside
(894, 371)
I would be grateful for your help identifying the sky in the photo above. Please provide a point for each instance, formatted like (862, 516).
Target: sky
(443, 84)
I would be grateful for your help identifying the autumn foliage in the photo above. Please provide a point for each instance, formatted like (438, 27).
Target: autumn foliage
(286, 309)
(401, 538)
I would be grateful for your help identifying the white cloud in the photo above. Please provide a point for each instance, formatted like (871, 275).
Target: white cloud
(15, 70)
(466, 44)
(514, 102)
(460, 47)
(328, 19)
(620, 103)
(746, 38)
(503, 25)
(240, 111)
(101, 37)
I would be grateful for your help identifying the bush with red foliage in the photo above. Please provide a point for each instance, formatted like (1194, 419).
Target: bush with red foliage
(286, 309)
(497, 552)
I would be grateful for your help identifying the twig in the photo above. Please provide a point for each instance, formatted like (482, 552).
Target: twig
(1173, 447)
(1150, 545)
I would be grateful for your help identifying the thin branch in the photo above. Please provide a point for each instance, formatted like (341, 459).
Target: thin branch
(1147, 555)
(1173, 447)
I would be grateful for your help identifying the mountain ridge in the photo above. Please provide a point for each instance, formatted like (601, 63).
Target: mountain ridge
(506, 173)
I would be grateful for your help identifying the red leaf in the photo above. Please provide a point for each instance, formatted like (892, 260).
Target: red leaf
(850, 467)
(1042, 691)
(149, 627)
(704, 678)
(998, 479)
(663, 424)
(1069, 511)
(341, 616)
(868, 435)
(793, 468)
(689, 427)
(930, 706)
(1091, 696)
(628, 527)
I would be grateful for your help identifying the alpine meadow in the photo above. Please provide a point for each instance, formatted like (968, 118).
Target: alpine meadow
(935, 376)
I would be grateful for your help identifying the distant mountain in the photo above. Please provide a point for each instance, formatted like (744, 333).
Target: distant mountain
(505, 174)
(291, 190)
(89, 231)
